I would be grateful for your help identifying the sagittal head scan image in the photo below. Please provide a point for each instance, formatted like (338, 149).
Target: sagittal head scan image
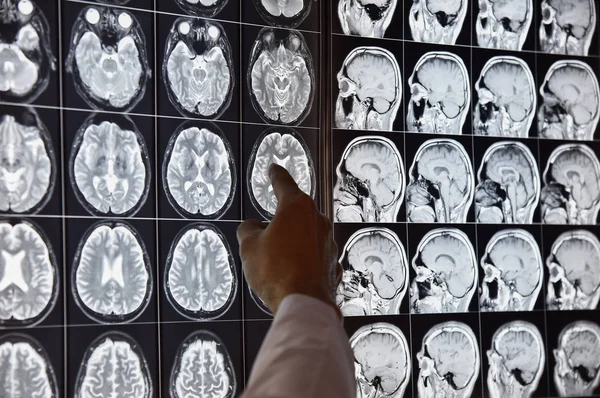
(574, 270)
(284, 13)
(440, 94)
(508, 184)
(198, 68)
(109, 167)
(29, 274)
(516, 361)
(26, 57)
(571, 192)
(375, 276)
(506, 98)
(382, 363)
(441, 183)
(567, 26)
(448, 361)
(503, 24)
(287, 148)
(437, 21)
(446, 273)
(202, 8)
(199, 172)
(370, 90)
(107, 58)
(28, 166)
(367, 18)
(370, 181)
(111, 274)
(513, 272)
(26, 368)
(569, 99)
(114, 366)
(203, 368)
(281, 77)
(577, 369)
(200, 276)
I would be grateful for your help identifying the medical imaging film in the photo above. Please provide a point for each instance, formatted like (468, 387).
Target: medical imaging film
(568, 28)
(438, 22)
(505, 24)
(202, 8)
(287, 13)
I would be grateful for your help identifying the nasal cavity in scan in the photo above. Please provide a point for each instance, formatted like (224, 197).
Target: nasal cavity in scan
(202, 8)
(284, 13)
(281, 77)
(107, 58)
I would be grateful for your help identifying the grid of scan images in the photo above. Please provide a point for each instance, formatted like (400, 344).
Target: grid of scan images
(466, 190)
(135, 135)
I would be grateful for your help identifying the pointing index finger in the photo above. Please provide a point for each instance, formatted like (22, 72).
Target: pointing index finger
(282, 181)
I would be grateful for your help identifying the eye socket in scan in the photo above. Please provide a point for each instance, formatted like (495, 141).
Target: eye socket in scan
(286, 13)
(567, 26)
(503, 24)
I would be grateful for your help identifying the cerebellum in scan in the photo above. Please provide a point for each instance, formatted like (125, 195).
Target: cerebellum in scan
(202, 8)
(284, 13)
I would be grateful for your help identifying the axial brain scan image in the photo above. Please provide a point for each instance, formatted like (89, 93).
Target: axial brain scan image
(367, 18)
(200, 275)
(114, 366)
(446, 273)
(107, 58)
(109, 167)
(202, 8)
(284, 13)
(437, 21)
(370, 90)
(382, 363)
(286, 148)
(203, 368)
(29, 275)
(112, 278)
(503, 24)
(198, 68)
(26, 57)
(27, 164)
(281, 77)
(567, 26)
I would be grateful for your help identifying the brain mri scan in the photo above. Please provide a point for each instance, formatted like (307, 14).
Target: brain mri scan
(516, 361)
(571, 193)
(503, 24)
(370, 90)
(448, 361)
(109, 167)
(285, 147)
(370, 181)
(111, 274)
(29, 274)
(375, 276)
(27, 162)
(441, 183)
(199, 172)
(113, 366)
(437, 21)
(508, 184)
(382, 364)
(506, 98)
(574, 272)
(577, 368)
(569, 97)
(200, 276)
(26, 368)
(203, 368)
(107, 58)
(367, 18)
(281, 77)
(198, 68)
(513, 272)
(284, 13)
(202, 8)
(446, 273)
(26, 57)
(567, 26)
(440, 94)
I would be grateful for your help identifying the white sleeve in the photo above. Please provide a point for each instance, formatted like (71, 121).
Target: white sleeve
(305, 354)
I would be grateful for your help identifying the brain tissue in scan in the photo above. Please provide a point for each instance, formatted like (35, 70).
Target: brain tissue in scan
(26, 368)
(437, 21)
(203, 368)
(111, 274)
(285, 147)
(200, 275)
(567, 26)
(27, 163)
(202, 8)
(107, 58)
(281, 78)
(198, 68)
(26, 57)
(109, 166)
(29, 274)
(503, 24)
(199, 172)
(369, 18)
(284, 13)
(114, 366)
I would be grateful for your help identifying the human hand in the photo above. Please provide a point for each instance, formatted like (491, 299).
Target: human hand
(294, 253)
